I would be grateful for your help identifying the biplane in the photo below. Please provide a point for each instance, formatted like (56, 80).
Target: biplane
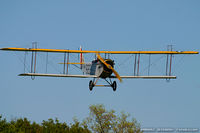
(99, 68)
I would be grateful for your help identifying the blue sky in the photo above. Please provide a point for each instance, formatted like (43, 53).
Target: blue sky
(102, 25)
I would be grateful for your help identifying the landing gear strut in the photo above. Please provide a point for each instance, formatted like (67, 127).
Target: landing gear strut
(111, 84)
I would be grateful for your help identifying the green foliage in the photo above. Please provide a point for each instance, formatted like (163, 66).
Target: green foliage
(51, 126)
(104, 121)
(100, 120)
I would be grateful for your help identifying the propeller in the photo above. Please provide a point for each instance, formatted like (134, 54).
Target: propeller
(109, 66)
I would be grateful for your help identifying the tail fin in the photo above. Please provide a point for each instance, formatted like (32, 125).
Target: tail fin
(81, 58)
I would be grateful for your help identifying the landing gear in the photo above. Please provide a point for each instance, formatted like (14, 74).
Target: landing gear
(91, 85)
(114, 86)
(111, 84)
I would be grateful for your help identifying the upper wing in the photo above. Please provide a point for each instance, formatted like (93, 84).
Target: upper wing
(57, 75)
(107, 52)
(146, 77)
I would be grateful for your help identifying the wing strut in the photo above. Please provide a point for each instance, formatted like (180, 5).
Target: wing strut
(64, 63)
(67, 62)
(65, 70)
(136, 65)
(169, 62)
(33, 59)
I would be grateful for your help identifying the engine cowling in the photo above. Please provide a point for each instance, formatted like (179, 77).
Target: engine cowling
(107, 71)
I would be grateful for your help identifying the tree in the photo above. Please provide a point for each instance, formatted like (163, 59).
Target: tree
(101, 120)
(125, 126)
(3, 124)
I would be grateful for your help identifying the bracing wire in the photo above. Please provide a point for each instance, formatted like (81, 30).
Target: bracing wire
(22, 61)
(153, 63)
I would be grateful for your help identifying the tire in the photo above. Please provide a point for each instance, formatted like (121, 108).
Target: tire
(114, 86)
(91, 85)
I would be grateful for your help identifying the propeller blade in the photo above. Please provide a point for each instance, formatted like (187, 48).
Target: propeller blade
(109, 66)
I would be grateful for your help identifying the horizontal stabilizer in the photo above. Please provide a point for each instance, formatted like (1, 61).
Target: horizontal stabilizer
(57, 75)
(72, 63)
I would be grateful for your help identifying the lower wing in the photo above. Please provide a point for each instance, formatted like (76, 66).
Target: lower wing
(94, 76)
(57, 75)
(146, 77)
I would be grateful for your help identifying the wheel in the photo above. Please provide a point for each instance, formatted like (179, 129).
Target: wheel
(114, 86)
(91, 85)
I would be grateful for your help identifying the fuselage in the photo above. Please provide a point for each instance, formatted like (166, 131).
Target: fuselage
(97, 68)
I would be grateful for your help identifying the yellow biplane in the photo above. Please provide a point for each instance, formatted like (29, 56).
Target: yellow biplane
(100, 67)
